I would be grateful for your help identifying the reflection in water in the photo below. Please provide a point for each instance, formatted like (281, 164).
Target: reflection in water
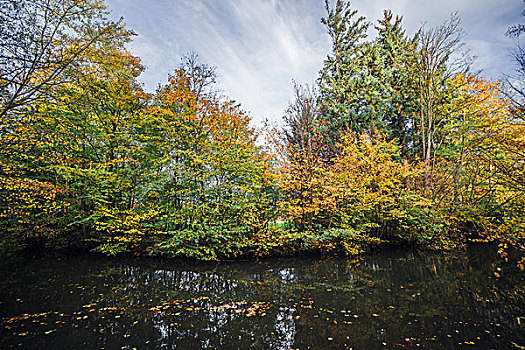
(285, 329)
(388, 300)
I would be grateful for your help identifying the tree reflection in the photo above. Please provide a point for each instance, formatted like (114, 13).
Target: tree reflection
(434, 300)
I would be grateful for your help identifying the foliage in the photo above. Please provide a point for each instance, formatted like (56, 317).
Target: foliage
(341, 81)
(207, 181)
(43, 43)
(395, 144)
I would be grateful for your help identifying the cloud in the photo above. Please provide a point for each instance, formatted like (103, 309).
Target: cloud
(260, 46)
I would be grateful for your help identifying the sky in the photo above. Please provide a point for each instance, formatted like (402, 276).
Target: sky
(259, 47)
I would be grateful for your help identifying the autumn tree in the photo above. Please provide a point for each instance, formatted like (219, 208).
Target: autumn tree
(98, 119)
(439, 58)
(83, 144)
(375, 191)
(482, 182)
(43, 41)
(304, 150)
(208, 182)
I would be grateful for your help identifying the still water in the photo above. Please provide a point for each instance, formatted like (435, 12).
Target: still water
(393, 299)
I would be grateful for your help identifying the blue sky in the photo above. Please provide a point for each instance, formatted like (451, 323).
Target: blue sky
(260, 46)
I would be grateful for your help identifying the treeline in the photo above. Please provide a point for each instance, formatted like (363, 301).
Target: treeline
(395, 143)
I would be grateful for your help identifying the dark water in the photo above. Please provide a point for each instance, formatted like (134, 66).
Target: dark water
(394, 299)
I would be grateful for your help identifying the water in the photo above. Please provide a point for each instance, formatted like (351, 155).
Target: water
(394, 299)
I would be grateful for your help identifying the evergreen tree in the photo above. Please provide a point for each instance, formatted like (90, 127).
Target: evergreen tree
(398, 58)
(341, 76)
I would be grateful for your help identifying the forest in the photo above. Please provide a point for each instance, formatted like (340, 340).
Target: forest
(397, 142)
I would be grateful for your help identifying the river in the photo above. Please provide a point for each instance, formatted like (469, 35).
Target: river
(384, 300)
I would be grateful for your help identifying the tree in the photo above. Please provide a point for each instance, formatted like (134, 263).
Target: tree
(439, 59)
(375, 191)
(485, 146)
(340, 80)
(78, 151)
(43, 41)
(209, 184)
(395, 73)
(368, 86)
(98, 119)
(302, 172)
(517, 82)
(302, 121)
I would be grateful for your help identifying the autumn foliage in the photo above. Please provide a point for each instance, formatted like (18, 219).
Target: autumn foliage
(392, 146)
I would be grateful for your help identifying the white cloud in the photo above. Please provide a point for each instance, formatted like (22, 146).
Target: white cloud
(259, 46)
